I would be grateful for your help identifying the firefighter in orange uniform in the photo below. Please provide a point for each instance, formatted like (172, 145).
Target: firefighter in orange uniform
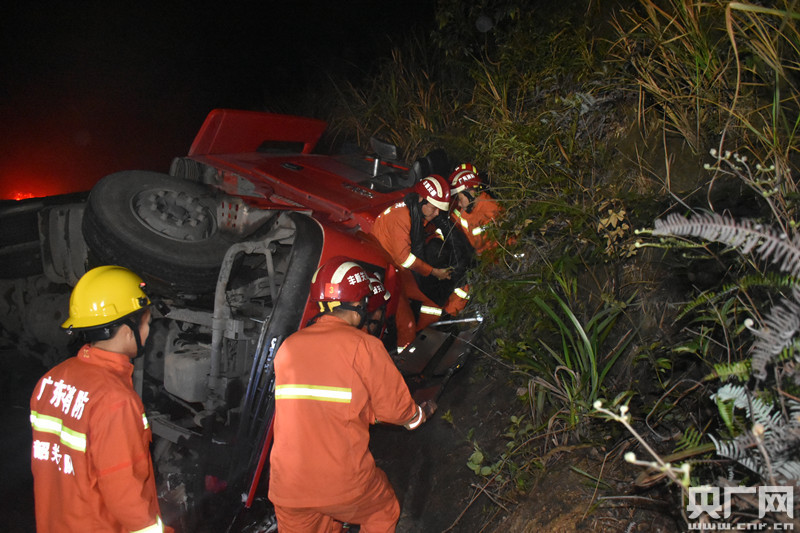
(475, 209)
(332, 380)
(400, 230)
(91, 458)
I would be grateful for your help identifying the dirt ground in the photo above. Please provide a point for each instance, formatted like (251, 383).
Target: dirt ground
(428, 467)
(439, 493)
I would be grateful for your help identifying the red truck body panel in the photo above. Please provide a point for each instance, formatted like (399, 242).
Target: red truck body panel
(242, 145)
(230, 131)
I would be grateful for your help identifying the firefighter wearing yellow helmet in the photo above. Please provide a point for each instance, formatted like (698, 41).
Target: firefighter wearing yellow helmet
(91, 440)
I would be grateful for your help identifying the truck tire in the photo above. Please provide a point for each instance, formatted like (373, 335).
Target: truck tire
(163, 228)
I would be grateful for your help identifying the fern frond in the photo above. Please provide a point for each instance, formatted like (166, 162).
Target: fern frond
(732, 396)
(794, 408)
(725, 371)
(707, 297)
(780, 327)
(773, 280)
(690, 439)
(792, 351)
(744, 235)
(737, 449)
(743, 450)
(730, 392)
(725, 409)
(789, 470)
(757, 409)
(780, 438)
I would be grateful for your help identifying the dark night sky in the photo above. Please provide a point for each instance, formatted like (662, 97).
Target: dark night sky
(88, 88)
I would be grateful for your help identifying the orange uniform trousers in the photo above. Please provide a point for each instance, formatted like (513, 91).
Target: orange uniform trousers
(376, 511)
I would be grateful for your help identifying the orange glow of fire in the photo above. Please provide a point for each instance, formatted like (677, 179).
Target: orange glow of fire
(20, 184)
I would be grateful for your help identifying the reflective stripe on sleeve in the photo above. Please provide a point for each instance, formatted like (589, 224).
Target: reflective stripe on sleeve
(477, 231)
(461, 293)
(415, 422)
(313, 392)
(409, 261)
(158, 527)
(55, 426)
(430, 310)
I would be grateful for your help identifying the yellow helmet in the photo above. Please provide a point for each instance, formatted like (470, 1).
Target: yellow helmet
(104, 295)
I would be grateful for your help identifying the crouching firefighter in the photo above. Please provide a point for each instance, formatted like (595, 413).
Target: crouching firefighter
(402, 231)
(91, 462)
(332, 380)
(475, 210)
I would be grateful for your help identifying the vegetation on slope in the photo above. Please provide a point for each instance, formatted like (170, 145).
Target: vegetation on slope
(588, 123)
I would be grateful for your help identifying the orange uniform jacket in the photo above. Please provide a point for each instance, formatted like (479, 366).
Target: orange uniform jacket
(331, 382)
(91, 457)
(474, 224)
(392, 229)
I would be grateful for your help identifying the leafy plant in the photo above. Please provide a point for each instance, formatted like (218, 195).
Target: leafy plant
(515, 463)
(477, 463)
(572, 371)
(768, 447)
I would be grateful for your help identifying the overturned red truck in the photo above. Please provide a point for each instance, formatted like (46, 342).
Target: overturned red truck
(227, 242)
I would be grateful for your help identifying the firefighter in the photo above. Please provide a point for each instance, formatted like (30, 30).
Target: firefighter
(332, 380)
(400, 230)
(474, 208)
(91, 462)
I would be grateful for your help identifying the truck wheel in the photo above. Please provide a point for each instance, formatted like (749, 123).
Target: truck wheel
(163, 228)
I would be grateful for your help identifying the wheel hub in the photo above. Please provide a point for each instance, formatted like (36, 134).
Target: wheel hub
(174, 215)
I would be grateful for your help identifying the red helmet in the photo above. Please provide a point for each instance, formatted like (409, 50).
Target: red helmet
(379, 295)
(435, 190)
(465, 176)
(340, 280)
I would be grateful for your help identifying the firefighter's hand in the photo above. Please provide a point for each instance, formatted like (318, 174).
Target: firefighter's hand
(442, 273)
(428, 408)
(424, 410)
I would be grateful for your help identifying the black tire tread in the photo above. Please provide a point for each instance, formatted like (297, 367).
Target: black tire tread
(115, 236)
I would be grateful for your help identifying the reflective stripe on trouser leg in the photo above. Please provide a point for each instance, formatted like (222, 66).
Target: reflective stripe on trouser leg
(428, 314)
(430, 310)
